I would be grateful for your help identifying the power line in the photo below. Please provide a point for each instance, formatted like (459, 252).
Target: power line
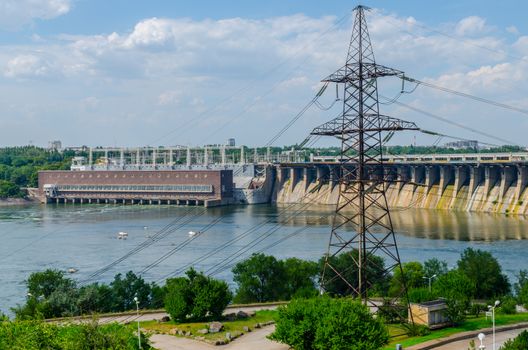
(445, 120)
(251, 84)
(466, 95)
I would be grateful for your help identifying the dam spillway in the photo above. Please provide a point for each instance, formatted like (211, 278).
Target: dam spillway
(493, 185)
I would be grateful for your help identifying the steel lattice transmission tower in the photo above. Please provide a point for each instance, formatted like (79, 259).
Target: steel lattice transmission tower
(362, 220)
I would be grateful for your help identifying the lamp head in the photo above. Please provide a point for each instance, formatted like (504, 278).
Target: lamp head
(497, 302)
(481, 336)
(136, 299)
(433, 276)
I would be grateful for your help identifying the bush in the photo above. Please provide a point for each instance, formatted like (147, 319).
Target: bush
(420, 295)
(40, 335)
(326, 323)
(508, 306)
(518, 343)
(196, 297)
(477, 308)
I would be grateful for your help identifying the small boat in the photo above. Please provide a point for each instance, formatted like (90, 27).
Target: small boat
(122, 235)
(193, 233)
(72, 270)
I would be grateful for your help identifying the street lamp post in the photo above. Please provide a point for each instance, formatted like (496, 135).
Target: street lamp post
(430, 279)
(492, 308)
(137, 310)
(481, 337)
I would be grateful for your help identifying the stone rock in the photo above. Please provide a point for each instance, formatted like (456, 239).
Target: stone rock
(246, 329)
(180, 332)
(231, 317)
(242, 314)
(215, 327)
(257, 325)
(220, 342)
(188, 333)
(165, 319)
(203, 331)
(228, 336)
(251, 313)
(173, 331)
(200, 338)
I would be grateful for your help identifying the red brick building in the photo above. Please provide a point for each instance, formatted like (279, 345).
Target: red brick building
(196, 187)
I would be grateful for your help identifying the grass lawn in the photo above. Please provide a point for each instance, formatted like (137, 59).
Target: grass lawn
(233, 327)
(471, 324)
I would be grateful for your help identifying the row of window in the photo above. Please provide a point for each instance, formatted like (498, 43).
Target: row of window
(128, 175)
(138, 188)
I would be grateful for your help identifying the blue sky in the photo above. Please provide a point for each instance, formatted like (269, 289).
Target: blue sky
(192, 72)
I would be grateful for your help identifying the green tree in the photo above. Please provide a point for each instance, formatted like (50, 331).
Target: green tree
(9, 189)
(485, 272)
(457, 289)
(434, 266)
(345, 263)
(178, 298)
(196, 297)
(259, 278)
(94, 298)
(329, 324)
(300, 278)
(43, 284)
(413, 274)
(125, 289)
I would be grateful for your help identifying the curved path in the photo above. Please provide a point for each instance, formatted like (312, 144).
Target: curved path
(500, 339)
(252, 340)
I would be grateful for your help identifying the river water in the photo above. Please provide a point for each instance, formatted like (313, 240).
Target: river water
(84, 237)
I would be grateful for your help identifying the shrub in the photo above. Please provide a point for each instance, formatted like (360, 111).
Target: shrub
(326, 323)
(196, 297)
(518, 343)
(477, 308)
(40, 335)
(508, 306)
(419, 295)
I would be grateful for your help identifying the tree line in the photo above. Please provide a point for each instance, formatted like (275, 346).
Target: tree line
(19, 167)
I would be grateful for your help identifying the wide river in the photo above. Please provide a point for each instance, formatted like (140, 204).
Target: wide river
(85, 238)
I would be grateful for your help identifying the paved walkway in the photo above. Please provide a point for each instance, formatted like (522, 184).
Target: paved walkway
(252, 340)
(159, 315)
(500, 339)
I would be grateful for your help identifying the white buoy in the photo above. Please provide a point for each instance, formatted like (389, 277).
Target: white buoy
(122, 235)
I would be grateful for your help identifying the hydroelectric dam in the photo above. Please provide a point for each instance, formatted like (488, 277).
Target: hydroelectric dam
(480, 182)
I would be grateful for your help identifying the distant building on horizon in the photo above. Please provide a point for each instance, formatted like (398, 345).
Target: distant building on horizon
(55, 145)
(231, 142)
(463, 144)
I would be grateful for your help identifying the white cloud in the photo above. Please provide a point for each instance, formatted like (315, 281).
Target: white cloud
(27, 66)
(169, 98)
(471, 25)
(513, 30)
(262, 71)
(16, 13)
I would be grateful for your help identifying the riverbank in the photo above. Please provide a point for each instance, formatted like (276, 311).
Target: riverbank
(8, 202)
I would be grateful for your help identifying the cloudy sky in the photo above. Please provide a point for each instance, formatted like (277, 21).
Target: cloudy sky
(122, 72)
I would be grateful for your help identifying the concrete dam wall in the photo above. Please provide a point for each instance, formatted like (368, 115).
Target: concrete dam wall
(482, 187)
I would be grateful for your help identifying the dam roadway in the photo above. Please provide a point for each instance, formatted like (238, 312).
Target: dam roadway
(483, 182)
